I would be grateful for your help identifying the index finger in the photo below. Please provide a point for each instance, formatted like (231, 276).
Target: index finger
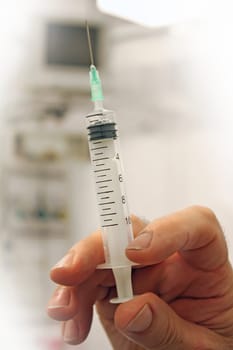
(82, 259)
(193, 232)
(79, 262)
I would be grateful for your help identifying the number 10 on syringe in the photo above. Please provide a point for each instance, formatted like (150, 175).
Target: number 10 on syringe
(110, 190)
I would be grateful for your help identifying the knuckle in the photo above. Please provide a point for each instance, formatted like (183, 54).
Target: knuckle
(209, 223)
(206, 214)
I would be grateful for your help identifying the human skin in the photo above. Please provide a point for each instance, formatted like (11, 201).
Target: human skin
(183, 286)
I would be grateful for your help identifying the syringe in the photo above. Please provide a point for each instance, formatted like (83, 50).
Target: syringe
(110, 191)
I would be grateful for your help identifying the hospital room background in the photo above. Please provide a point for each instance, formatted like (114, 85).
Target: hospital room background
(166, 71)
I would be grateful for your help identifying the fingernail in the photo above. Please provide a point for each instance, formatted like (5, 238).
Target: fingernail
(71, 333)
(61, 298)
(141, 242)
(141, 321)
(65, 261)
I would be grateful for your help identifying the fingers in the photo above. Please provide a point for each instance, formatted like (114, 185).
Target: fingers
(78, 269)
(75, 306)
(160, 279)
(194, 232)
(77, 312)
(82, 259)
(63, 304)
(76, 330)
(80, 262)
(151, 323)
(66, 302)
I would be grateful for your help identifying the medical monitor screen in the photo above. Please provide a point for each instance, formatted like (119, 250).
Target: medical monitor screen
(67, 45)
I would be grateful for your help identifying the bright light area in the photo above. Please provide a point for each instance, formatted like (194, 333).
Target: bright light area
(155, 13)
(15, 20)
(14, 28)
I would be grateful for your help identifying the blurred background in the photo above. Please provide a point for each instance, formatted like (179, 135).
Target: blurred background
(166, 68)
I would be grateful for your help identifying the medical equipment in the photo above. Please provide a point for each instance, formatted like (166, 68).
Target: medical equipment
(106, 162)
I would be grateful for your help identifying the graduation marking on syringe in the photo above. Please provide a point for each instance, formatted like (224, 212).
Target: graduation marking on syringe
(98, 182)
(98, 171)
(101, 175)
(106, 203)
(98, 154)
(105, 192)
(108, 214)
(96, 160)
(94, 149)
(110, 225)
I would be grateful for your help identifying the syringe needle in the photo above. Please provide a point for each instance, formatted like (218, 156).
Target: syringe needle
(89, 44)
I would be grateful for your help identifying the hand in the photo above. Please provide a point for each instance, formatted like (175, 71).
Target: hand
(184, 287)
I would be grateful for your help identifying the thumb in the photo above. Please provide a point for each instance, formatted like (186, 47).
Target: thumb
(149, 322)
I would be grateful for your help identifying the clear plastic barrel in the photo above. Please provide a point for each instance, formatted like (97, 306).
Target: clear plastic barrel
(111, 197)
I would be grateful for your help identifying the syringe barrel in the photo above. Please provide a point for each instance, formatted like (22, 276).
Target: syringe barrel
(110, 188)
